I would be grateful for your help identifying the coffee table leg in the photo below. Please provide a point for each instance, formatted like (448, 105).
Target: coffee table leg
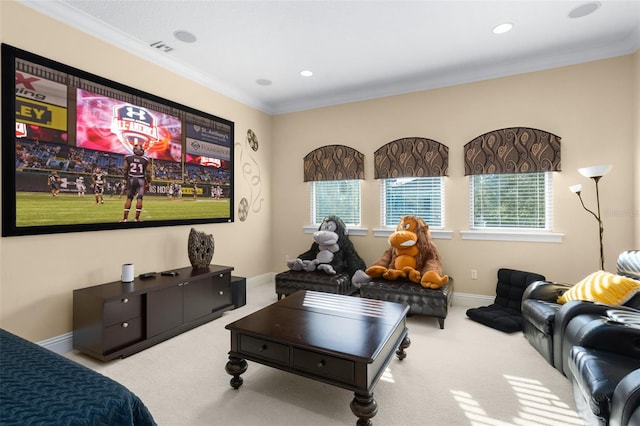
(364, 407)
(400, 353)
(236, 366)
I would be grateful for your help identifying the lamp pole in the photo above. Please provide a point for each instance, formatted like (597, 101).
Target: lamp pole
(595, 173)
(601, 228)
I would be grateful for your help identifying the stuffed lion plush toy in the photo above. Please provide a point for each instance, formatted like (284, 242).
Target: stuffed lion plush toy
(412, 256)
(332, 252)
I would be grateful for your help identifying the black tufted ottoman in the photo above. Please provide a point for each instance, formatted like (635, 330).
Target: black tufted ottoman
(421, 301)
(289, 282)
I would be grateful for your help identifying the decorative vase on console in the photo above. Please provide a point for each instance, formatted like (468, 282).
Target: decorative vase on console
(200, 247)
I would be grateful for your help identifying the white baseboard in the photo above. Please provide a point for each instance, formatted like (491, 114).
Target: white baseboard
(59, 344)
(267, 278)
(64, 343)
(471, 300)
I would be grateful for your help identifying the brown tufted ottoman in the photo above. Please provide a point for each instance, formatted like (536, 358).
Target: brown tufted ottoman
(421, 301)
(289, 282)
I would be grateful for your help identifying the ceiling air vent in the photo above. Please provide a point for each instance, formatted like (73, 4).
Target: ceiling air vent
(160, 45)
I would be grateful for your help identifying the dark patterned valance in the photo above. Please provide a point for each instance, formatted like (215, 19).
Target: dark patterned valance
(512, 150)
(333, 162)
(411, 157)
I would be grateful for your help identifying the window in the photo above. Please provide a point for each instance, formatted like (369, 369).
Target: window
(511, 201)
(336, 197)
(422, 196)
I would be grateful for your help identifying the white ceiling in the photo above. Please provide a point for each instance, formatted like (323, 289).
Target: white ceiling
(356, 49)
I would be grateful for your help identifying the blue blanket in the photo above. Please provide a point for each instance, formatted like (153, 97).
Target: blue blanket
(40, 387)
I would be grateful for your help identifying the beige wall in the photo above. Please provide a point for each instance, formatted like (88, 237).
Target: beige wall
(591, 106)
(636, 112)
(38, 273)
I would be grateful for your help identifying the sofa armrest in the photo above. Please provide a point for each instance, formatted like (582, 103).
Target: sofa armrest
(540, 314)
(605, 335)
(545, 290)
(625, 403)
(571, 309)
(565, 314)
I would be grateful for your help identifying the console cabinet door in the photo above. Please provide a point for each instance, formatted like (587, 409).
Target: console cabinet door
(164, 310)
(197, 298)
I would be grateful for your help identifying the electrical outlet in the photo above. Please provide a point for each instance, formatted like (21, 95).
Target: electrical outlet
(474, 274)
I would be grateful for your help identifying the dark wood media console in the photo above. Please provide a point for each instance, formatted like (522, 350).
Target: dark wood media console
(117, 319)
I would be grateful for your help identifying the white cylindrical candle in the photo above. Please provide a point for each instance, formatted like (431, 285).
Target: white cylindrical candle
(127, 273)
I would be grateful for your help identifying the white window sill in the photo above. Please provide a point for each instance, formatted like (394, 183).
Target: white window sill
(438, 234)
(537, 237)
(353, 230)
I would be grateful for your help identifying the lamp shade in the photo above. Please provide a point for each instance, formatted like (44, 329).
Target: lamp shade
(576, 188)
(595, 171)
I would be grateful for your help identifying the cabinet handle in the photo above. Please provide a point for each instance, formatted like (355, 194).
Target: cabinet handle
(221, 275)
(263, 348)
(221, 293)
(125, 300)
(125, 324)
(322, 363)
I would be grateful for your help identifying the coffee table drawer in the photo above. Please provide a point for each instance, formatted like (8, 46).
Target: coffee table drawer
(264, 349)
(324, 366)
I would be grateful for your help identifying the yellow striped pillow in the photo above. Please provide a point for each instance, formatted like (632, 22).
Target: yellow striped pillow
(602, 287)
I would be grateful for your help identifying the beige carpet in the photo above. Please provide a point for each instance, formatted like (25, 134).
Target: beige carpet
(466, 374)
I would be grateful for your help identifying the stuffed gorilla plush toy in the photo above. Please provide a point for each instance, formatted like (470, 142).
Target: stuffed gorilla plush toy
(412, 255)
(332, 252)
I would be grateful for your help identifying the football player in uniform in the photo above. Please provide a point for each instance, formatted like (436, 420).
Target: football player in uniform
(137, 174)
(121, 186)
(54, 183)
(80, 186)
(99, 179)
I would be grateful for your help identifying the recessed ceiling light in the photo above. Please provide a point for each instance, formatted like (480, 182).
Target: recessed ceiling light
(306, 73)
(263, 82)
(584, 9)
(184, 36)
(503, 28)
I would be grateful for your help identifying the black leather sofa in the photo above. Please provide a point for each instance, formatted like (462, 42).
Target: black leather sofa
(602, 371)
(539, 309)
(598, 354)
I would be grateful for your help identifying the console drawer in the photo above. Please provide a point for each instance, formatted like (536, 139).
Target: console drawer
(120, 310)
(324, 366)
(122, 334)
(264, 349)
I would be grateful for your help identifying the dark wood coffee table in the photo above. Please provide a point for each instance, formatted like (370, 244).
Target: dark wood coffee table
(344, 341)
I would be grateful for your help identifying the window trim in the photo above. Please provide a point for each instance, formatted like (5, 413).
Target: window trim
(522, 236)
(353, 230)
(437, 234)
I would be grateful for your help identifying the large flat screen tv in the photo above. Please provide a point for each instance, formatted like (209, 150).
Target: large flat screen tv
(73, 144)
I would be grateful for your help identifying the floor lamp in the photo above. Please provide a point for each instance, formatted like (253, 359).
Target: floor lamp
(595, 173)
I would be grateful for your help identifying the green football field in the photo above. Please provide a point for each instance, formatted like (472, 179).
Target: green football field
(40, 209)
